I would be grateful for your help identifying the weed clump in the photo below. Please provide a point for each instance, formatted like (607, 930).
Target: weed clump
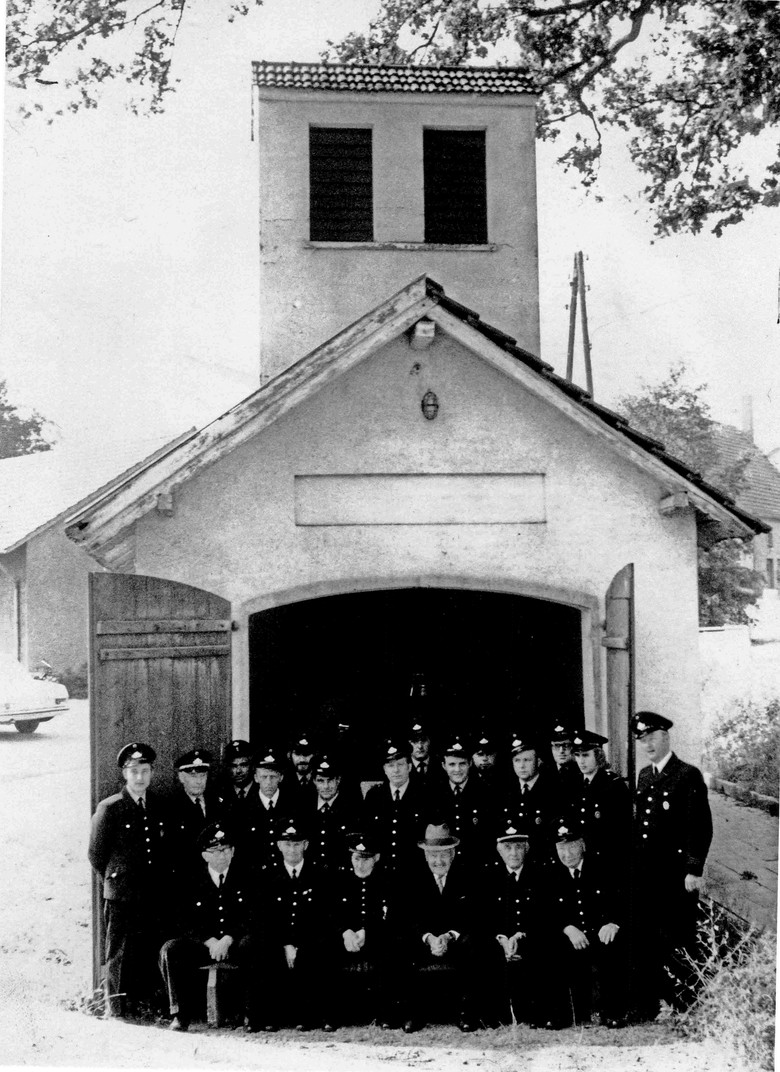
(745, 747)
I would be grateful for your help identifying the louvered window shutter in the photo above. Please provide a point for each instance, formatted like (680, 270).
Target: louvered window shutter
(340, 185)
(455, 186)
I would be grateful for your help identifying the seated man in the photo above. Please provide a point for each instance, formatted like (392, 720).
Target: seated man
(441, 926)
(366, 934)
(215, 927)
(293, 928)
(513, 910)
(587, 910)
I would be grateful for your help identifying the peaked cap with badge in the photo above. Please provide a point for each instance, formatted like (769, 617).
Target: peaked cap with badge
(135, 753)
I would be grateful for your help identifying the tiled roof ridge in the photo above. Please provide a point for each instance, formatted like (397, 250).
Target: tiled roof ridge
(584, 399)
(392, 77)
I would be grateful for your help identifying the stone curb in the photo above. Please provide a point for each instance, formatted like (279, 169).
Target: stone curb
(742, 794)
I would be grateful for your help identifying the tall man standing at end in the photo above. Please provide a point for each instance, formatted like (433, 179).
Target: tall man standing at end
(673, 836)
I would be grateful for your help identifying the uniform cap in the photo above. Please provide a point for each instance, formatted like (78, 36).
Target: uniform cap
(303, 746)
(393, 748)
(269, 760)
(566, 830)
(417, 730)
(135, 753)
(484, 743)
(438, 836)
(196, 760)
(290, 830)
(237, 749)
(326, 768)
(521, 742)
(646, 721)
(560, 733)
(363, 846)
(214, 836)
(457, 748)
(511, 831)
(584, 741)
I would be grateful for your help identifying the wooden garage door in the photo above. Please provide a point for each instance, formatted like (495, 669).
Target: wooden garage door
(619, 642)
(159, 673)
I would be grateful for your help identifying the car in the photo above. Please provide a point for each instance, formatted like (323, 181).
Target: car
(27, 700)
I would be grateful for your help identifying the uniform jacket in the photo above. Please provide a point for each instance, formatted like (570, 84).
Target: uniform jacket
(471, 815)
(185, 820)
(397, 826)
(588, 904)
(603, 808)
(211, 912)
(673, 820)
(363, 903)
(509, 906)
(537, 809)
(128, 846)
(328, 830)
(262, 825)
(293, 913)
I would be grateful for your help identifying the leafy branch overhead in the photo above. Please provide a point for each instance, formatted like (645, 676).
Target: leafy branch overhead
(690, 82)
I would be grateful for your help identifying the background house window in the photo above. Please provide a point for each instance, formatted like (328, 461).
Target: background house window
(455, 186)
(340, 185)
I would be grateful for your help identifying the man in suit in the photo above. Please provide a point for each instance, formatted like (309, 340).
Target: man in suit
(128, 850)
(292, 934)
(215, 914)
(394, 813)
(587, 911)
(601, 803)
(271, 802)
(673, 833)
(191, 806)
(465, 806)
(512, 910)
(330, 818)
(442, 927)
(367, 935)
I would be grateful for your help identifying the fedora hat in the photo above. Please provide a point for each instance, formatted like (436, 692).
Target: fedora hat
(438, 836)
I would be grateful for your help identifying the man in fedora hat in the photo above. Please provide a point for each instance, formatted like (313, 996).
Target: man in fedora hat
(128, 850)
(442, 925)
(673, 833)
(215, 917)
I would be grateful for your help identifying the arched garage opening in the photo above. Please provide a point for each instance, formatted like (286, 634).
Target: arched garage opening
(342, 666)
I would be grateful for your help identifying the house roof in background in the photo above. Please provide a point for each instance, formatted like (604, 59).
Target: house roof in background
(38, 489)
(761, 492)
(393, 78)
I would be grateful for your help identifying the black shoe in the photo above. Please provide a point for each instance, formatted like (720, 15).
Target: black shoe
(466, 1026)
(410, 1026)
(178, 1023)
(328, 1027)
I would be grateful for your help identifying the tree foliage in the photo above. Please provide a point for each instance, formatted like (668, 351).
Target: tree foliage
(679, 416)
(19, 435)
(689, 82)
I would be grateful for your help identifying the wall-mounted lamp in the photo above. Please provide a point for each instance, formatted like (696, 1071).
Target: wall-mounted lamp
(429, 406)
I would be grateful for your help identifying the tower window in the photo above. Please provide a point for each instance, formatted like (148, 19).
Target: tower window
(455, 186)
(340, 185)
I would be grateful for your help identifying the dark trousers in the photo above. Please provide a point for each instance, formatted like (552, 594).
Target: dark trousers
(381, 972)
(592, 980)
(180, 961)
(134, 933)
(470, 960)
(518, 989)
(664, 942)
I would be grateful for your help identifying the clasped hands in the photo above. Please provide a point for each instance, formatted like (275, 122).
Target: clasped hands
(509, 945)
(438, 943)
(354, 940)
(218, 947)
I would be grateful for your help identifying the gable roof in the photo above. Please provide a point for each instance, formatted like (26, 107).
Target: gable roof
(760, 493)
(103, 527)
(39, 490)
(393, 78)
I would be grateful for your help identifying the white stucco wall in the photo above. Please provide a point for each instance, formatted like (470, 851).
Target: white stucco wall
(309, 292)
(233, 529)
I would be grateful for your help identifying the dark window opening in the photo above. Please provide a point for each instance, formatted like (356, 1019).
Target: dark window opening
(340, 185)
(455, 186)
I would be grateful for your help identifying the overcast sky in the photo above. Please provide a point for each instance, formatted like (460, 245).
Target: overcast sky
(130, 256)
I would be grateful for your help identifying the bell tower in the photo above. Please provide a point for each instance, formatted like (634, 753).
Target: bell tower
(373, 175)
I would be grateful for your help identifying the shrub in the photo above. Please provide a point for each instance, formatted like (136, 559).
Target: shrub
(744, 747)
(735, 1007)
(75, 679)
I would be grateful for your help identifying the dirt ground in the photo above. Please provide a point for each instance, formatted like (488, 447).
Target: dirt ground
(45, 964)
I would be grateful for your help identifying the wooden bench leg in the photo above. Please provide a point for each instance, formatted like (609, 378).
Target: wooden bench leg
(213, 1018)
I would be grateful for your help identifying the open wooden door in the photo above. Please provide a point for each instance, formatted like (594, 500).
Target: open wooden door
(159, 673)
(619, 642)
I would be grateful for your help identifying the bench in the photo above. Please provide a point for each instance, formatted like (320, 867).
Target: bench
(215, 991)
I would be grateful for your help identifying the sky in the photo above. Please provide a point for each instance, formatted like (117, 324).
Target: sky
(130, 296)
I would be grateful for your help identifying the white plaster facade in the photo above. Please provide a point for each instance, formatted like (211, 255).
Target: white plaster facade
(311, 290)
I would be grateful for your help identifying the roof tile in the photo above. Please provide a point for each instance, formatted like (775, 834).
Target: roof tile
(384, 78)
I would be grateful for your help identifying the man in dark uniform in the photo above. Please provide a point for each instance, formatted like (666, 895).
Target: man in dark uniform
(330, 818)
(394, 813)
(215, 914)
(465, 806)
(128, 849)
(191, 806)
(425, 766)
(531, 800)
(442, 928)
(367, 937)
(271, 803)
(301, 780)
(513, 911)
(588, 917)
(602, 802)
(292, 934)
(484, 759)
(563, 765)
(673, 833)
(239, 772)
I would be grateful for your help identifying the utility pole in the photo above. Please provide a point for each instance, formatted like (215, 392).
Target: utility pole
(578, 296)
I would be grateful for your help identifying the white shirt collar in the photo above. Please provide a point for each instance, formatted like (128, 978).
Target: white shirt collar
(398, 788)
(321, 803)
(214, 875)
(270, 800)
(135, 796)
(662, 763)
(292, 871)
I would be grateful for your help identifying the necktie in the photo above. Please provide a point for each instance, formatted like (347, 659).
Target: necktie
(656, 772)
(457, 790)
(440, 883)
(576, 876)
(524, 789)
(270, 805)
(221, 881)
(294, 876)
(142, 804)
(201, 804)
(325, 808)
(516, 875)
(398, 796)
